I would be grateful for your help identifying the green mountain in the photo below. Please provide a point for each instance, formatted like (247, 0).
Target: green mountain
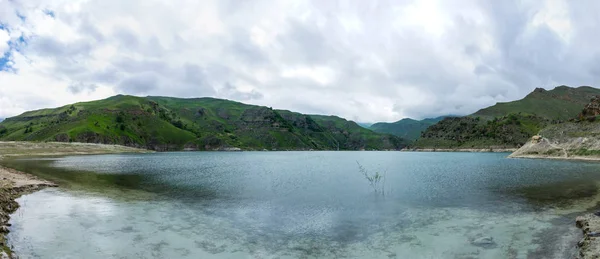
(407, 128)
(164, 123)
(561, 103)
(508, 125)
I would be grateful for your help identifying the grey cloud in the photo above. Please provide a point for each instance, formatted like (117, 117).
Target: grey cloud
(142, 83)
(194, 74)
(304, 43)
(126, 38)
(195, 81)
(482, 70)
(130, 65)
(109, 75)
(230, 91)
(488, 52)
(246, 51)
(79, 87)
(129, 40)
(88, 28)
(48, 46)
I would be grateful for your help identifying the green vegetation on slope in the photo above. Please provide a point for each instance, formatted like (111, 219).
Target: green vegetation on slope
(467, 132)
(559, 104)
(408, 129)
(509, 124)
(164, 123)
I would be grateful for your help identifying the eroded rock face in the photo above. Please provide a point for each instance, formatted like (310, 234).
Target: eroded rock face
(592, 109)
(62, 137)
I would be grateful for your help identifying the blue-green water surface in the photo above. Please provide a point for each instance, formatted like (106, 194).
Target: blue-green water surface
(302, 205)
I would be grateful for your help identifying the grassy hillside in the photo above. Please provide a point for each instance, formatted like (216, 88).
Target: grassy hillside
(467, 132)
(406, 128)
(561, 103)
(510, 124)
(164, 123)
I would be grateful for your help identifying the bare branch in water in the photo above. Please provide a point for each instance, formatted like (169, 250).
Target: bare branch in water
(374, 179)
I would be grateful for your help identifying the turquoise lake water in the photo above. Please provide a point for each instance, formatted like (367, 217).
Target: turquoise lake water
(302, 205)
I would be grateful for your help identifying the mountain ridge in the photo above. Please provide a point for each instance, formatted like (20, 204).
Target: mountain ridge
(406, 128)
(559, 103)
(510, 124)
(206, 123)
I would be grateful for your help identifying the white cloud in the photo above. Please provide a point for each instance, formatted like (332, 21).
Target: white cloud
(4, 39)
(363, 60)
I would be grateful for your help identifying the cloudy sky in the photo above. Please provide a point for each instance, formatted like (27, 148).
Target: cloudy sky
(363, 60)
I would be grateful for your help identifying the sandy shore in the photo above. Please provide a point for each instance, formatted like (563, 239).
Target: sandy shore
(11, 149)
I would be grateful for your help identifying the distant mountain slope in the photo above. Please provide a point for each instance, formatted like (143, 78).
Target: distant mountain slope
(365, 125)
(508, 125)
(509, 131)
(409, 129)
(165, 123)
(560, 103)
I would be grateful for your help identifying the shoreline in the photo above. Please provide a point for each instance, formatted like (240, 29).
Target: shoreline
(468, 150)
(573, 158)
(14, 184)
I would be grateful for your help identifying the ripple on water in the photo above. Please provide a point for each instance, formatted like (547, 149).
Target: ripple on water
(303, 205)
(95, 227)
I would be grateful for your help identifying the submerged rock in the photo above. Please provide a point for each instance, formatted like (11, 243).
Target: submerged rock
(485, 242)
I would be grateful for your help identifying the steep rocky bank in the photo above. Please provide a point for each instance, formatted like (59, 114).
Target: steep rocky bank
(576, 141)
(589, 246)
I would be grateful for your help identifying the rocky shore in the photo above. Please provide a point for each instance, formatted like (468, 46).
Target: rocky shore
(13, 184)
(499, 150)
(573, 148)
(570, 147)
(589, 246)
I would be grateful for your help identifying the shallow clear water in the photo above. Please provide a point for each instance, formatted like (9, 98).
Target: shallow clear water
(302, 205)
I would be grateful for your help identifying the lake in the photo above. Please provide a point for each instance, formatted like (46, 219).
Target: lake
(303, 205)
